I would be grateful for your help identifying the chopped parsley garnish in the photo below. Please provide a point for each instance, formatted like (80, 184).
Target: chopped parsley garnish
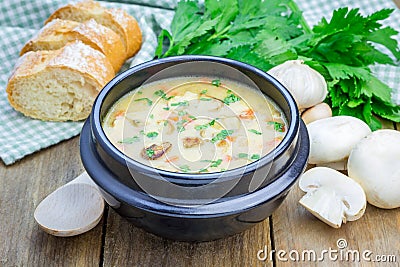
(205, 99)
(216, 163)
(152, 134)
(150, 152)
(163, 95)
(203, 92)
(203, 170)
(180, 125)
(216, 82)
(130, 140)
(184, 168)
(201, 127)
(243, 155)
(279, 127)
(255, 131)
(141, 132)
(231, 98)
(182, 113)
(139, 92)
(165, 108)
(149, 102)
(151, 116)
(246, 156)
(204, 126)
(221, 135)
(180, 104)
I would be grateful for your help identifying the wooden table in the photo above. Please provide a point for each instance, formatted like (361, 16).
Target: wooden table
(115, 242)
(290, 232)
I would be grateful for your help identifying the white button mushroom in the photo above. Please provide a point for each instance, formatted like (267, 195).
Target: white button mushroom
(307, 85)
(375, 164)
(332, 139)
(317, 112)
(332, 196)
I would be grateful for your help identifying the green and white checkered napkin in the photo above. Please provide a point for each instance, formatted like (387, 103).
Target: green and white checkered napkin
(20, 19)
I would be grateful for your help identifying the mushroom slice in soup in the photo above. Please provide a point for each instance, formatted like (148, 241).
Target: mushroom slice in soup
(189, 142)
(156, 151)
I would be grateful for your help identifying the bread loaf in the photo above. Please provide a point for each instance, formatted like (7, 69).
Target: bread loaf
(116, 19)
(57, 33)
(58, 85)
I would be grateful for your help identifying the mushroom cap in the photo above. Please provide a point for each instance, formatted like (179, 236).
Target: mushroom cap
(332, 196)
(317, 112)
(332, 139)
(375, 164)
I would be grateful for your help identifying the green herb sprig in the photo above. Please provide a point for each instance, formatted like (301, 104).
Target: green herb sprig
(267, 33)
(222, 135)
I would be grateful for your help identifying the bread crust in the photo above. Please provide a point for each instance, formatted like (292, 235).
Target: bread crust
(57, 33)
(75, 58)
(116, 19)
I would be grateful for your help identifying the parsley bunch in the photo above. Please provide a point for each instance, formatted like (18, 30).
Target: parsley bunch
(267, 33)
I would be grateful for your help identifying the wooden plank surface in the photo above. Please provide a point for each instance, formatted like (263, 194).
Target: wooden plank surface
(22, 187)
(126, 245)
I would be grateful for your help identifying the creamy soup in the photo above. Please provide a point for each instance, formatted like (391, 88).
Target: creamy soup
(195, 124)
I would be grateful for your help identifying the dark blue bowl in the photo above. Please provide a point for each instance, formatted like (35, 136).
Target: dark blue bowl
(205, 206)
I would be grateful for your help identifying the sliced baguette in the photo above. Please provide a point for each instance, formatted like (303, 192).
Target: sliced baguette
(116, 19)
(58, 85)
(57, 33)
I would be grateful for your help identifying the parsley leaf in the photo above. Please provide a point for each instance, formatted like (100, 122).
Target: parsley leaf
(279, 127)
(149, 102)
(216, 82)
(204, 126)
(184, 168)
(267, 33)
(246, 156)
(231, 98)
(255, 131)
(152, 134)
(222, 135)
(150, 152)
(130, 140)
(162, 94)
(216, 163)
(180, 104)
(243, 155)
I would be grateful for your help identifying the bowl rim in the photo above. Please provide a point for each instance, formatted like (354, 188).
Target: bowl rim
(123, 159)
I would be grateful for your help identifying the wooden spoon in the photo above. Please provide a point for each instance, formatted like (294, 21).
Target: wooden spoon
(72, 209)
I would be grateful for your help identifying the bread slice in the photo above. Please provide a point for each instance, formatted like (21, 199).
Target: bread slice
(58, 85)
(116, 19)
(57, 33)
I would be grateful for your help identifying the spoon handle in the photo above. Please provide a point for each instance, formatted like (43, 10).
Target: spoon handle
(83, 178)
